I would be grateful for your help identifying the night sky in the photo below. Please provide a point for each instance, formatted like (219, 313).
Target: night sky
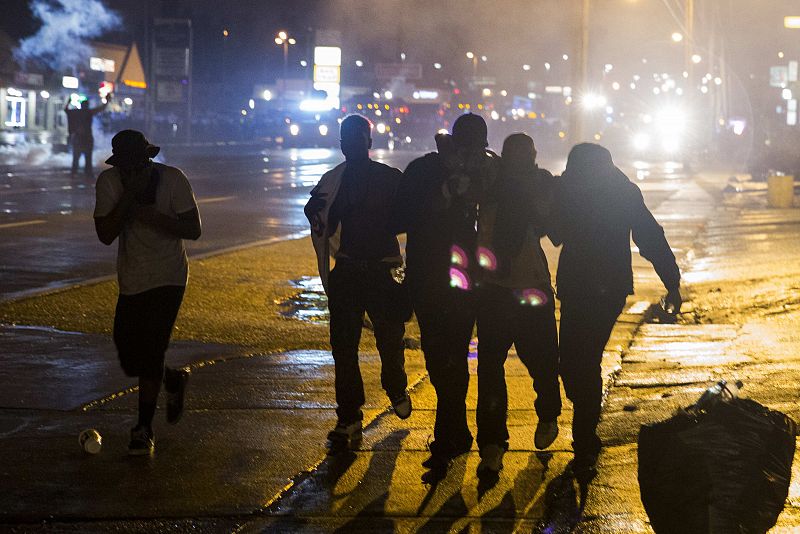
(510, 33)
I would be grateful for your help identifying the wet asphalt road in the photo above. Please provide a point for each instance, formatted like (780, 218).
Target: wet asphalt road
(246, 195)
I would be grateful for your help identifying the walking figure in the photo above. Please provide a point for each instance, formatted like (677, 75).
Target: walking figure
(349, 214)
(151, 208)
(79, 126)
(598, 211)
(436, 207)
(515, 300)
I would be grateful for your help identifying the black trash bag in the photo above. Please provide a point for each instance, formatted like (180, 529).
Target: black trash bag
(724, 470)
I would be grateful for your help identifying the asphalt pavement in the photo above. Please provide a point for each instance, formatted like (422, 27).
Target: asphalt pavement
(248, 455)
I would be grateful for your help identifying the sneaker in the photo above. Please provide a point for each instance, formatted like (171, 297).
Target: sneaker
(491, 458)
(142, 441)
(546, 433)
(402, 406)
(344, 437)
(175, 385)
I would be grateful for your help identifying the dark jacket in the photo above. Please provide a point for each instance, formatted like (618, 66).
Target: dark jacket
(435, 227)
(595, 218)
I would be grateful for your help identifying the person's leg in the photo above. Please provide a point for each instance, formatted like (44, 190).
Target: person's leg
(76, 157)
(536, 341)
(346, 320)
(495, 316)
(87, 154)
(585, 329)
(446, 328)
(159, 309)
(389, 328)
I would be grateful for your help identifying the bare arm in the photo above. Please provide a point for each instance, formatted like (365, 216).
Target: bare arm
(109, 226)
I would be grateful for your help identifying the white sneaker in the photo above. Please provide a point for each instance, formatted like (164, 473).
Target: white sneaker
(491, 458)
(546, 433)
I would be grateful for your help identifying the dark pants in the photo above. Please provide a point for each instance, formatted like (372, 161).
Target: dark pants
(503, 321)
(142, 328)
(445, 325)
(355, 288)
(586, 325)
(82, 148)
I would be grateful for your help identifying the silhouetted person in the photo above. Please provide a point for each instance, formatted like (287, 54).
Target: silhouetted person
(79, 126)
(515, 299)
(598, 210)
(352, 203)
(437, 208)
(152, 209)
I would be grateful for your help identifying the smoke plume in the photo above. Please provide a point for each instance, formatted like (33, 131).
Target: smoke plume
(61, 41)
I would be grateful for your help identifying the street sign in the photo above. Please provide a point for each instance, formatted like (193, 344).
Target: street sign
(406, 71)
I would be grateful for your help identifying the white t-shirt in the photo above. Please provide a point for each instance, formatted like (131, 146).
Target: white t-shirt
(146, 257)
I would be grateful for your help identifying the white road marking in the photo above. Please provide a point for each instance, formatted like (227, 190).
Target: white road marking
(213, 199)
(22, 223)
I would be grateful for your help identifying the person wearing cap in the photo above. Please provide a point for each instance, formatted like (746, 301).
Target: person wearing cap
(79, 126)
(597, 212)
(150, 208)
(437, 208)
(348, 211)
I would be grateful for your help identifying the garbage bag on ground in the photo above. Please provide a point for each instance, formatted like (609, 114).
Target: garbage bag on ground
(722, 470)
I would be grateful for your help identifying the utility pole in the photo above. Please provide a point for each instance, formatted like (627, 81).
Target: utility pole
(581, 70)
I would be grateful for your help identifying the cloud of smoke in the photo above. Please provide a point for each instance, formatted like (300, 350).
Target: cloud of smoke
(66, 25)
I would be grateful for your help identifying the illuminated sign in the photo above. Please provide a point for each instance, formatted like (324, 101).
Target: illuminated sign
(328, 55)
(70, 82)
(425, 94)
(101, 64)
(326, 74)
(134, 83)
(791, 22)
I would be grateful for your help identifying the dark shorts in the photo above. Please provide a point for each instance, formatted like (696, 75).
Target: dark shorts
(142, 327)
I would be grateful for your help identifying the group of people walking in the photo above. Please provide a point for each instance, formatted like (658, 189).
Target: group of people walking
(473, 223)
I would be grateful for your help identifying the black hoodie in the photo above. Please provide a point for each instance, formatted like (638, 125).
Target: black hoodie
(598, 209)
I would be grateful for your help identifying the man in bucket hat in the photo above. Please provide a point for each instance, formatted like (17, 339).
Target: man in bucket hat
(152, 209)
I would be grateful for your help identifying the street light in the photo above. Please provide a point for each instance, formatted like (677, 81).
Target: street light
(284, 40)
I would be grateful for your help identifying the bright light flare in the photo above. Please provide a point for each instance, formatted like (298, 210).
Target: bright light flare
(381, 128)
(677, 37)
(641, 141)
(267, 95)
(294, 129)
(486, 259)
(592, 101)
(458, 257)
(459, 279)
(531, 297)
(791, 22)
(323, 130)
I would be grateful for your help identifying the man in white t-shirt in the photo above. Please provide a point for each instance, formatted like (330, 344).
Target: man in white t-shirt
(152, 209)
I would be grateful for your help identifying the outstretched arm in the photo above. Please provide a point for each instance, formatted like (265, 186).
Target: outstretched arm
(653, 246)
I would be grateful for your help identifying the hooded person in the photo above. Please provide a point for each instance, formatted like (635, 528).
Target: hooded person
(437, 208)
(149, 208)
(597, 212)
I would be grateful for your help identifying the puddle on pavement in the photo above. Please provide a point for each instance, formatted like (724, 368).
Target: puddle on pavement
(309, 303)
